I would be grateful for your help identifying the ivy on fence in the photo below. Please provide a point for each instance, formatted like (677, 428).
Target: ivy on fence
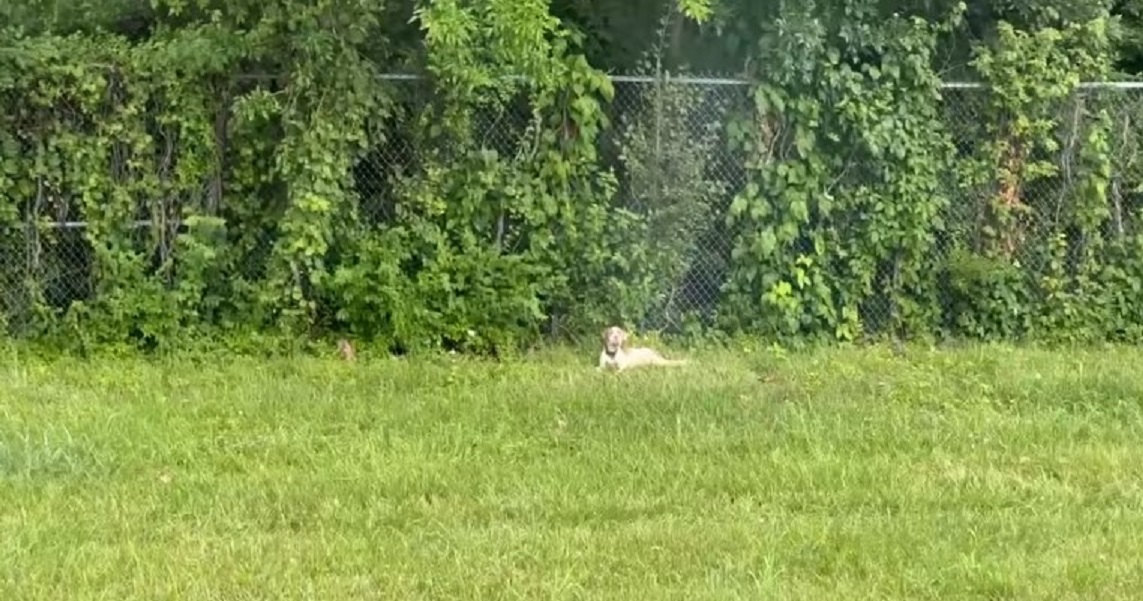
(234, 175)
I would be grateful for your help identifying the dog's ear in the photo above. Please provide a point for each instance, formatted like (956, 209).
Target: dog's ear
(622, 337)
(603, 336)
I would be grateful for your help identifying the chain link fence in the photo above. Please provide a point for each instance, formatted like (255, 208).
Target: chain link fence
(668, 145)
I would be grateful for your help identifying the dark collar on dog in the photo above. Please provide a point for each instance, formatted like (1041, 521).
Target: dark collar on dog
(610, 354)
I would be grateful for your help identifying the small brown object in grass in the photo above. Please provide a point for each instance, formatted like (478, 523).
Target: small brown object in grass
(346, 350)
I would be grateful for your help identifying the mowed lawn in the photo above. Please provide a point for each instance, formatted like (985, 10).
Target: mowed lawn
(974, 473)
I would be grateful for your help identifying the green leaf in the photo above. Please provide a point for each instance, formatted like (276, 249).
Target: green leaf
(738, 205)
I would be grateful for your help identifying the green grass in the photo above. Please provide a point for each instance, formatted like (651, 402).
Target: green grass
(983, 473)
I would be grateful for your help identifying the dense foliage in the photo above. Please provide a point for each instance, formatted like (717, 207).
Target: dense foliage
(176, 170)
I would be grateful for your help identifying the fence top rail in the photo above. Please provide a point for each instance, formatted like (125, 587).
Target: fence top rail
(735, 81)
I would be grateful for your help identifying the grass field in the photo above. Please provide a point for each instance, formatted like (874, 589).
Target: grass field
(982, 473)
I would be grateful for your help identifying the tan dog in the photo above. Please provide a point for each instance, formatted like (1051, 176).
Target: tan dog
(617, 356)
(345, 349)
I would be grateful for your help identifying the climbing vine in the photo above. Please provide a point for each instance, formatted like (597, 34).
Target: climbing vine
(1043, 265)
(184, 170)
(113, 142)
(494, 242)
(839, 218)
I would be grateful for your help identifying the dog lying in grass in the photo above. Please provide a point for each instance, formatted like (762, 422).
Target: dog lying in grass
(345, 349)
(617, 356)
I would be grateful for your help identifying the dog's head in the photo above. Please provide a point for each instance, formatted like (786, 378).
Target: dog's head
(614, 338)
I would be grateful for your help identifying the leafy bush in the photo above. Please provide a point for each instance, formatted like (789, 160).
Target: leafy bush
(214, 155)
